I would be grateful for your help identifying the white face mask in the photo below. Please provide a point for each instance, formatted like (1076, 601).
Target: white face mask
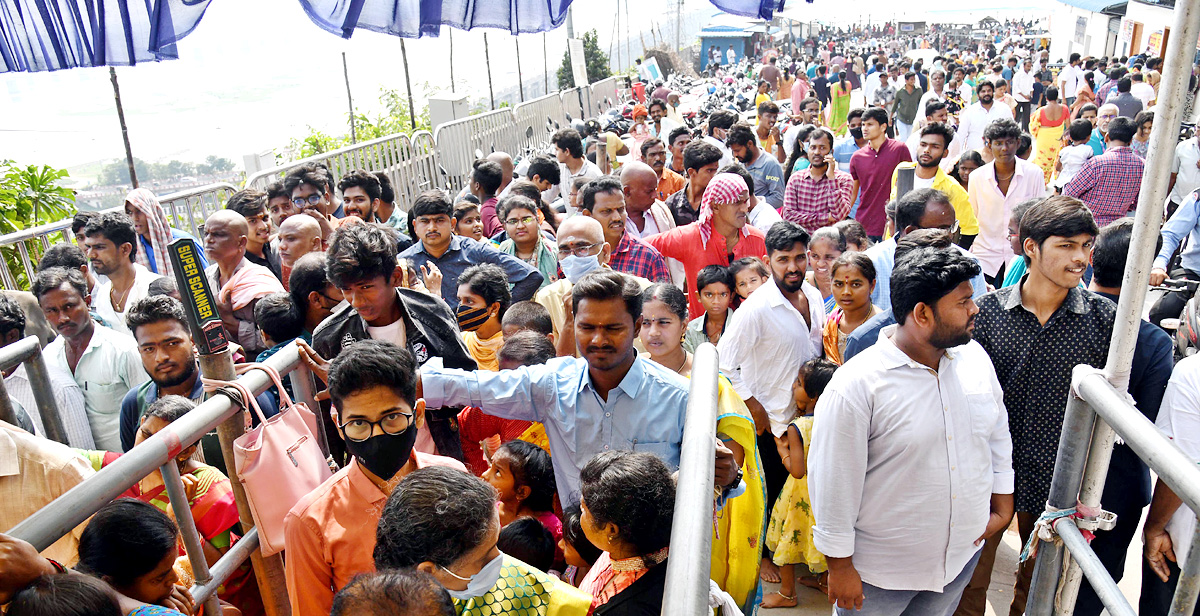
(574, 267)
(479, 583)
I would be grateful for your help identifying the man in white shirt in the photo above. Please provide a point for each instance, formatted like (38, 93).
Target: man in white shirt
(772, 334)
(978, 115)
(936, 92)
(1069, 80)
(1141, 90)
(1022, 91)
(568, 146)
(67, 395)
(994, 189)
(1185, 172)
(923, 404)
(104, 363)
(111, 245)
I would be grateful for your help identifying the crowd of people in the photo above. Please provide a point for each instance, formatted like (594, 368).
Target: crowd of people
(506, 370)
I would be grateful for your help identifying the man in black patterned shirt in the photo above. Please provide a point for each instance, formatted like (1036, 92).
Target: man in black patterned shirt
(1036, 332)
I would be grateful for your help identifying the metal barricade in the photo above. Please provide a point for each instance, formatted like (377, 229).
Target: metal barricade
(188, 209)
(79, 503)
(533, 121)
(688, 568)
(458, 141)
(574, 101)
(604, 95)
(29, 351)
(1099, 410)
(410, 166)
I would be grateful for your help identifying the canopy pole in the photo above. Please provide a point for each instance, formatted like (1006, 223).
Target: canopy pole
(545, 65)
(487, 56)
(450, 33)
(520, 79)
(112, 74)
(349, 99)
(678, 26)
(412, 109)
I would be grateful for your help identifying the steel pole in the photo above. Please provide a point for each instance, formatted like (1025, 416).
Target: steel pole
(187, 528)
(686, 590)
(450, 34)
(1187, 587)
(349, 99)
(43, 394)
(678, 26)
(1147, 222)
(1106, 589)
(112, 75)
(1078, 422)
(520, 78)
(545, 65)
(487, 58)
(8, 414)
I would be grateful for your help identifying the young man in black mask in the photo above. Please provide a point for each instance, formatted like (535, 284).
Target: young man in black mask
(330, 533)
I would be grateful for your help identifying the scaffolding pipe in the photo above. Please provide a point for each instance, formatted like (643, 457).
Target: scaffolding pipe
(1147, 223)
(1106, 589)
(686, 589)
(187, 530)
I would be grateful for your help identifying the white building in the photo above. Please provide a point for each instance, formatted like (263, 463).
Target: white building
(1146, 28)
(1086, 27)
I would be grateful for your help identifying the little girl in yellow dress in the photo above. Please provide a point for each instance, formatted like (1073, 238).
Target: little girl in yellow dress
(790, 532)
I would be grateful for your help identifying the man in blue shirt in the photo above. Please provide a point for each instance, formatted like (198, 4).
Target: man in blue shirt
(763, 167)
(1185, 221)
(609, 398)
(433, 222)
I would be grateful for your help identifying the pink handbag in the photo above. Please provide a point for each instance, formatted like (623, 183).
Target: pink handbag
(278, 462)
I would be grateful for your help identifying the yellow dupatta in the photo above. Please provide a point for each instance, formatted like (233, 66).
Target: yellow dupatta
(486, 352)
(737, 539)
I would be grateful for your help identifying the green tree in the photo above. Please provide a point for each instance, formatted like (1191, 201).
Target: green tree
(29, 196)
(392, 120)
(117, 172)
(596, 59)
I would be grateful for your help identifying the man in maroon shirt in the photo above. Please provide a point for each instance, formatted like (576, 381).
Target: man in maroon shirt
(871, 167)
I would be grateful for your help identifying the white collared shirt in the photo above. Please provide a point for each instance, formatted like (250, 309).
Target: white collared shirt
(102, 297)
(1187, 155)
(1022, 85)
(766, 344)
(904, 461)
(974, 119)
(993, 209)
(68, 396)
(109, 367)
(1179, 420)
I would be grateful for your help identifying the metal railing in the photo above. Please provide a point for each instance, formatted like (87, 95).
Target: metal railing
(409, 161)
(575, 101)
(29, 351)
(79, 503)
(688, 568)
(1099, 409)
(185, 209)
(604, 95)
(457, 141)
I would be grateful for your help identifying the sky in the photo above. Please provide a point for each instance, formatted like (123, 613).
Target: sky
(254, 75)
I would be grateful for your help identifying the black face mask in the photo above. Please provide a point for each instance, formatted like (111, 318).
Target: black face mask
(471, 319)
(856, 133)
(384, 454)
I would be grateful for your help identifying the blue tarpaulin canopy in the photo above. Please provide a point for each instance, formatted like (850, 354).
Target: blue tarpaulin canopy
(50, 35)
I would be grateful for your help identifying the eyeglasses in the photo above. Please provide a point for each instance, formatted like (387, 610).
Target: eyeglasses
(524, 220)
(579, 251)
(312, 199)
(359, 430)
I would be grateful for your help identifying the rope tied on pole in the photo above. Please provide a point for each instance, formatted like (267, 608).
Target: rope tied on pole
(1092, 517)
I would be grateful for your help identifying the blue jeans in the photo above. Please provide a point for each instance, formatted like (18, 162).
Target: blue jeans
(881, 602)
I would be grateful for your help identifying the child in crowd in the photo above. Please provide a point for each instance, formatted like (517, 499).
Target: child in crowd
(391, 592)
(1072, 157)
(210, 498)
(132, 546)
(279, 322)
(468, 221)
(523, 477)
(854, 234)
(527, 316)
(715, 288)
(65, 595)
(524, 348)
(748, 273)
(789, 534)
(578, 552)
(528, 541)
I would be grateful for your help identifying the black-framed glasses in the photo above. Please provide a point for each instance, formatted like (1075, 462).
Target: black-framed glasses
(579, 251)
(312, 199)
(359, 429)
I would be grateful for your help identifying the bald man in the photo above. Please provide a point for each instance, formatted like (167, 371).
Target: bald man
(298, 236)
(647, 215)
(237, 283)
(582, 236)
(506, 167)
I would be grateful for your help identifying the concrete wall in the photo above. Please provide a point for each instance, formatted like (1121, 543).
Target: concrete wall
(1152, 18)
(1063, 29)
